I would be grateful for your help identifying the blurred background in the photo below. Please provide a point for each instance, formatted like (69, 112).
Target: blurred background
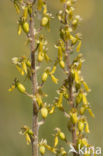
(16, 109)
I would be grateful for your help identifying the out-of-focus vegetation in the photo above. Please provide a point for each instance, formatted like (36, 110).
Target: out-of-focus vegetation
(15, 109)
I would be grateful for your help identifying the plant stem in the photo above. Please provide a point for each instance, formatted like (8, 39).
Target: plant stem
(71, 98)
(34, 86)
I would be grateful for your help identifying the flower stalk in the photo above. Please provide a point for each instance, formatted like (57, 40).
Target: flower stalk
(34, 83)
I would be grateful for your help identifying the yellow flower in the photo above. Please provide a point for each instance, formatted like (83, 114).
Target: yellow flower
(56, 141)
(74, 117)
(44, 112)
(42, 149)
(21, 88)
(44, 21)
(54, 79)
(62, 64)
(44, 76)
(25, 27)
(80, 126)
(62, 135)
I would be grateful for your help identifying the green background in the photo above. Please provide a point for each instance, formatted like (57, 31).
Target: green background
(16, 109)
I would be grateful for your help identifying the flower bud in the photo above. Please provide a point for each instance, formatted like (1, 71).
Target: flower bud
(44, 21)
(21, 88)
(62, 64)
(25, 27)
(79, 143)
(63, 152)
(44, 76)
(28, 63)
(54, 79)
(44, 112)
(82, 110)
(28, 138)
(84, 142)
(87, 128)
(80, 126)
(40, 57)
(19, 29)
(74, 117)
(56, 141)
(62, 135)
(73, 39)
(42, 149)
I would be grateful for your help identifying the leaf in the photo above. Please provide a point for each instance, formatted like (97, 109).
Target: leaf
(79, 46)
(56, 141)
